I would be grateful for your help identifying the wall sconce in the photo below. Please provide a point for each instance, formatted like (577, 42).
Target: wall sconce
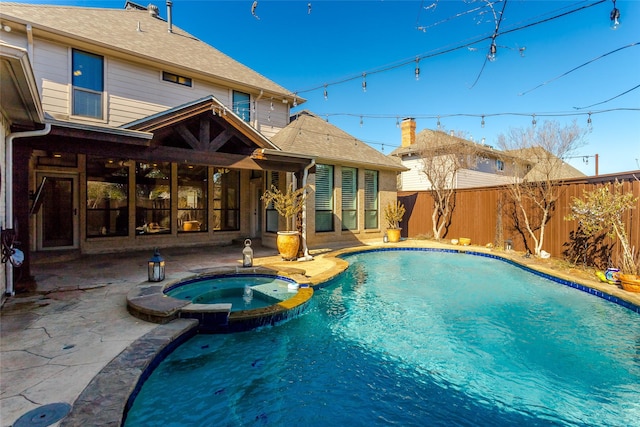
(156, 267)
(247, 254)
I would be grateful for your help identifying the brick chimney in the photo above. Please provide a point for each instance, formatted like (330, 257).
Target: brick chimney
(408, 128)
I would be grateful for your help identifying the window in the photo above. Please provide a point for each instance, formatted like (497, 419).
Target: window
(192, 198)
(107, 197)
(324, 197)
(349, 198)
(499, 165)
(241, 105)
(153, 198)
(174, 78)
(273, 179)
(88, 84)
(226, 199)
(370, 199)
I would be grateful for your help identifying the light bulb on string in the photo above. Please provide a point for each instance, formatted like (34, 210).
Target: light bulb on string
(482, 122)
(295, 99)
(271, 106)
(417, 70)
(361, 121)
(397, 122)
(326, 94)
(492, 51)
(615, 17)
(364, 82)
(326, 118)
(438, 124)
(589, 123)
(533, 121)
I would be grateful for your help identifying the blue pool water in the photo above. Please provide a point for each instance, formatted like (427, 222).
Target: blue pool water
(413, 338)
(243, 292)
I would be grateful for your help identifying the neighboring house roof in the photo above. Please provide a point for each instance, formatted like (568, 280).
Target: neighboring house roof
(311, 135)
(545, 165)
(135, 32)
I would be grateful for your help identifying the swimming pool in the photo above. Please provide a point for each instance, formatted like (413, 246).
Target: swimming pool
(413, 338)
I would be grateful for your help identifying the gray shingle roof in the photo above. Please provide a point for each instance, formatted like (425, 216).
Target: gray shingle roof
(311, 135)
(117, 30)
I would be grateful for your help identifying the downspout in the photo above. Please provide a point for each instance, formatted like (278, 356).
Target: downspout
(305, 176)
(30, 42)
(9, 188)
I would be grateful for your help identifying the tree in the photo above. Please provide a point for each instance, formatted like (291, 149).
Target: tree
(537, 177)
(443, 156)
(602, 210)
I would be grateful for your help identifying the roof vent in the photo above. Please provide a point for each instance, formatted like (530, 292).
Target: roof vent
(153, 10)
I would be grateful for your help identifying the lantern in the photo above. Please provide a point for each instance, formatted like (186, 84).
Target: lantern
(247, 254)
(156, 267)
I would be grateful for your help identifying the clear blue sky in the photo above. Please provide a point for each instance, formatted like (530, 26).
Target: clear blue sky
(340, 40)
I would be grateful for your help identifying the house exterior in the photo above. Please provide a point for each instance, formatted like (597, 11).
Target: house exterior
(19, 107)
(142, 136)
(490, 166)
(352, 182)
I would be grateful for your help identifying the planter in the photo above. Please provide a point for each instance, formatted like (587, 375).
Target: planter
(394, 234)
(630, 282)
(288, 243)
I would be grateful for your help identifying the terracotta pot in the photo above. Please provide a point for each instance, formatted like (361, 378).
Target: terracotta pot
(288, 243)
(630, 282)
(394, 234)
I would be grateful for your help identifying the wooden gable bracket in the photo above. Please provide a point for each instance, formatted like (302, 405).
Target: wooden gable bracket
(204, 142)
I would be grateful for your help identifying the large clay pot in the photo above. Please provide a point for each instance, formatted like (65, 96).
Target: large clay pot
(393, 234)
(288, 243)
(630, 282)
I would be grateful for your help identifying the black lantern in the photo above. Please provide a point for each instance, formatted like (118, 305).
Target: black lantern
(247, 254)
(156, 267)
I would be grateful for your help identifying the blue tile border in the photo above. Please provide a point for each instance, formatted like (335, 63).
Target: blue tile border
(600, 294)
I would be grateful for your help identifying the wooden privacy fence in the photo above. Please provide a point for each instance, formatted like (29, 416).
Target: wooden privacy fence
(485, 216)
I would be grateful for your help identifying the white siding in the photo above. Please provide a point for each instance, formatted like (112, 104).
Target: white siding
(51, 70)
(413, 179)
(469, 179)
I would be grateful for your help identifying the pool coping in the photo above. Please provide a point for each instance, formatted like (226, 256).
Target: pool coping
(108, 396)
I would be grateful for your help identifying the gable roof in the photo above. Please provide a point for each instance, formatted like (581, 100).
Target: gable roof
(545, 165)
(138, 33)
(311, 135)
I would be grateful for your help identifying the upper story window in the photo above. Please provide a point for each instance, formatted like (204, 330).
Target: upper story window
(499, 165)
(174, 78)
(242, 105)
(87, 80)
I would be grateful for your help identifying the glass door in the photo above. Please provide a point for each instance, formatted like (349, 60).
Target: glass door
(58, 213)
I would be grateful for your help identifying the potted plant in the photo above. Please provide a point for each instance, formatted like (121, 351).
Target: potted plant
(288, 204)
(393, 213)
(603, 210)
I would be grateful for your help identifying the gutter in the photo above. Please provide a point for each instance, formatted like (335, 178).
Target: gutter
(9, 188)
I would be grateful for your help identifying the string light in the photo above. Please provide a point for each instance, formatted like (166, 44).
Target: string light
(361, 121)
(295, 99)
(438, 124)
(614, 16)
(308, 8)
(445, 51)
(326, 94)
(482, 122)
(397, 122)
(271, 106)
(364, 82)
(492, 51)
(417, 71)
(589, 123)
(533, 120)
